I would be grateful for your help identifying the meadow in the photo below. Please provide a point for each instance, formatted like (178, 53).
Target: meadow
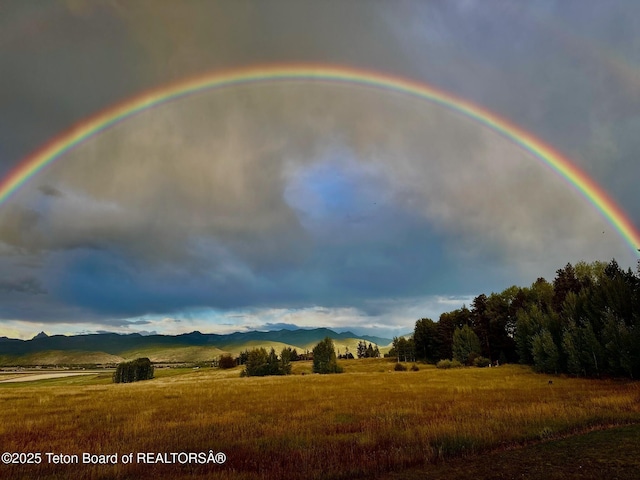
(368, 422)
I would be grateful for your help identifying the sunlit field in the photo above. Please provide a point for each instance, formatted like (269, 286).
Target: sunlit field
(366, 422)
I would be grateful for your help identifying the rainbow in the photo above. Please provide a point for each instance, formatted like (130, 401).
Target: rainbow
(71, 138)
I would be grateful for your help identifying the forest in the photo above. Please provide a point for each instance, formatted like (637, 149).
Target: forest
(584, 323)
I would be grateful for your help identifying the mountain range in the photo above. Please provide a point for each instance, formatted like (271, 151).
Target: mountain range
(107, 348)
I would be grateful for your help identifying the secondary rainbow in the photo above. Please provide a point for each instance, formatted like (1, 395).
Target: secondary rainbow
(86, 129)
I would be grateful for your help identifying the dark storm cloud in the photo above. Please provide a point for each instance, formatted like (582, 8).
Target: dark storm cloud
(291, 196)
(563, 70)
(50, 191)
(58, 68)
(64, 62)
(140, 322)
(17, 228)
(30, 286)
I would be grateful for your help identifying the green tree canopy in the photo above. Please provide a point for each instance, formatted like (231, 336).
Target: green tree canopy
(545, 352)
(466, 345)
(324, 357)
(134, 371)
(260, 363)
(425, 337)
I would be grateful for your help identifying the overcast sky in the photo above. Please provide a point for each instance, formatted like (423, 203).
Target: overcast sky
(310, 203)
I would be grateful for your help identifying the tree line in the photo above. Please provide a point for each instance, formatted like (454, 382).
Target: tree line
(586, 322)
(258, 362)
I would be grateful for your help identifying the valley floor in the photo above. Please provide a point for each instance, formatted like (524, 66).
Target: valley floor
(32, 376)
(369, 422)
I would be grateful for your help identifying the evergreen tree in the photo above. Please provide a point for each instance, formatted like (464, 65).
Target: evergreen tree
(243, 357)
(566, 281)
(324, 357)
(501, 311)
(274, 365)
(291, 354)
(480, 322)
(425, 337)
(369, 352)
(285, 360)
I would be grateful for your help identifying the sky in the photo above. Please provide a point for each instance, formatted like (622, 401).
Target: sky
(306, 204)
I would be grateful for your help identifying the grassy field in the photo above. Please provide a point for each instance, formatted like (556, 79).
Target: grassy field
(367, 422)
(612, 453)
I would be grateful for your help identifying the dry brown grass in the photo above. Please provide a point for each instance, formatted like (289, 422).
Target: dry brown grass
(364, 422)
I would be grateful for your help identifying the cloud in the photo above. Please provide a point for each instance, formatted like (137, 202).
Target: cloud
(29, 286)
(275, 195)
(290, 197)
(279, 326)
(561, 70)
(50, 191)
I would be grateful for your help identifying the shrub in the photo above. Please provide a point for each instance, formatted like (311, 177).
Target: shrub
(448, 364)
(471, 359)
(226, 361)
(414, 368)
(400, 367)
(481, 362)
(443, 364)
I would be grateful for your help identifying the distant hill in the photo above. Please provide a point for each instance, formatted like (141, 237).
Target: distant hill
(189, 347)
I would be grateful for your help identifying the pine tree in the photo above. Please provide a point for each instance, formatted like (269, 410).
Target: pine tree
(324, 357)
(369, 352)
